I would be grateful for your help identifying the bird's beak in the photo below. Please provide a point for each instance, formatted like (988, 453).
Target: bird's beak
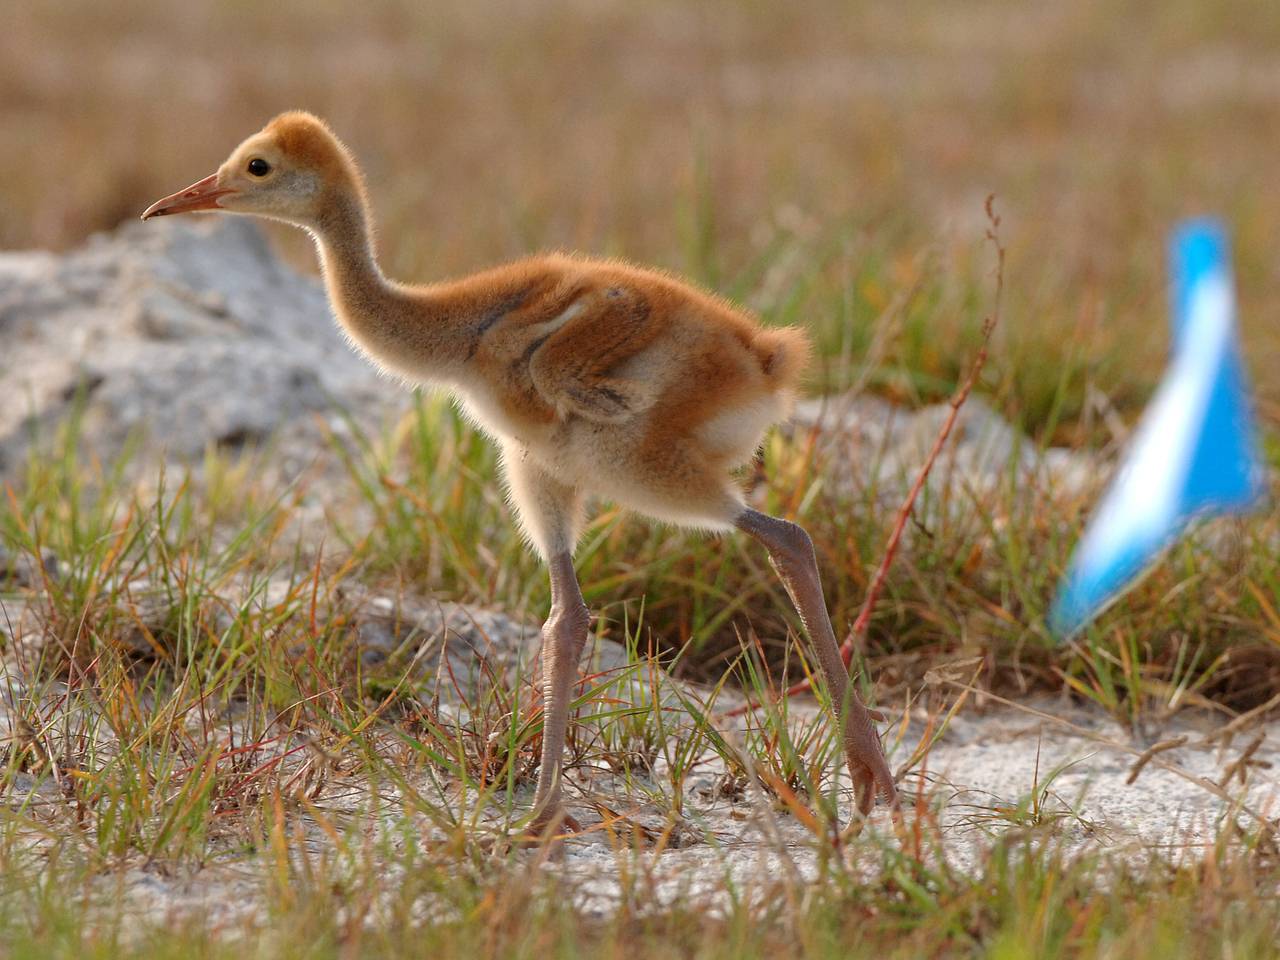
(199, 196)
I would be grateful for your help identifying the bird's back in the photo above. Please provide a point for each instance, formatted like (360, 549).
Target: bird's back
(562, 335)
(647, 387)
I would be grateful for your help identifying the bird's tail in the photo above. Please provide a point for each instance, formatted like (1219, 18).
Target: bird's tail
(784, 354)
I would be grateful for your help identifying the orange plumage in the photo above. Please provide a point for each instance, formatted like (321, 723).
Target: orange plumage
(597, 378)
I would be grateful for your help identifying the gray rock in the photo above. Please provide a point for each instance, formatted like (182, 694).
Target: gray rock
(882, 447)
(456, 643)
(189, 332)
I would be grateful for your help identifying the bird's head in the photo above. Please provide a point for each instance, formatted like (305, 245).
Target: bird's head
(291, 170)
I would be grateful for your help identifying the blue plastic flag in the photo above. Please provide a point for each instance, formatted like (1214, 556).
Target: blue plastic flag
(1195, 451)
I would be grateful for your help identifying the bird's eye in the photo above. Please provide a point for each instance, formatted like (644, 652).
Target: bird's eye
(259, 167)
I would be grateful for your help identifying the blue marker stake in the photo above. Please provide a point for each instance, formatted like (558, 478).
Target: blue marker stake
(1195, 451)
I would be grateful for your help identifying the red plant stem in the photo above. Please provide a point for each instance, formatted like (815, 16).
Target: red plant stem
(904, 512)
(957, 401)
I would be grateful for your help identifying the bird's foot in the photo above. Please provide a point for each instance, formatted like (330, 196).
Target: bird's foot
(871, 775)
(550, 830)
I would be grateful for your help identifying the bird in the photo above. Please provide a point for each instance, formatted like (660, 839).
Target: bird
(597, 379)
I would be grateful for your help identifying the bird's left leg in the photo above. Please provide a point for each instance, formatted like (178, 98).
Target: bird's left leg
(550, 512)
(792, 554)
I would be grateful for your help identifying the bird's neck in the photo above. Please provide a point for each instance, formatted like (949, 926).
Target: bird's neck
(401, 330)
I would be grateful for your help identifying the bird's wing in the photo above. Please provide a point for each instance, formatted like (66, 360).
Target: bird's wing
(575, 367)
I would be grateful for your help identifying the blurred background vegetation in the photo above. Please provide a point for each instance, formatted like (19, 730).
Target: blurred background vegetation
(859, 138)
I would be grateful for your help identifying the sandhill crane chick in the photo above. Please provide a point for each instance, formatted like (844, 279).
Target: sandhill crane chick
(595, 377)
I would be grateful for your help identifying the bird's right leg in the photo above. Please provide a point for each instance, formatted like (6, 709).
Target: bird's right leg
(791, 552)
(550, 512)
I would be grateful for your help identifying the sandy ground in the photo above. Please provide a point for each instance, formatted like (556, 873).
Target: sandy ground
(1049, 766)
